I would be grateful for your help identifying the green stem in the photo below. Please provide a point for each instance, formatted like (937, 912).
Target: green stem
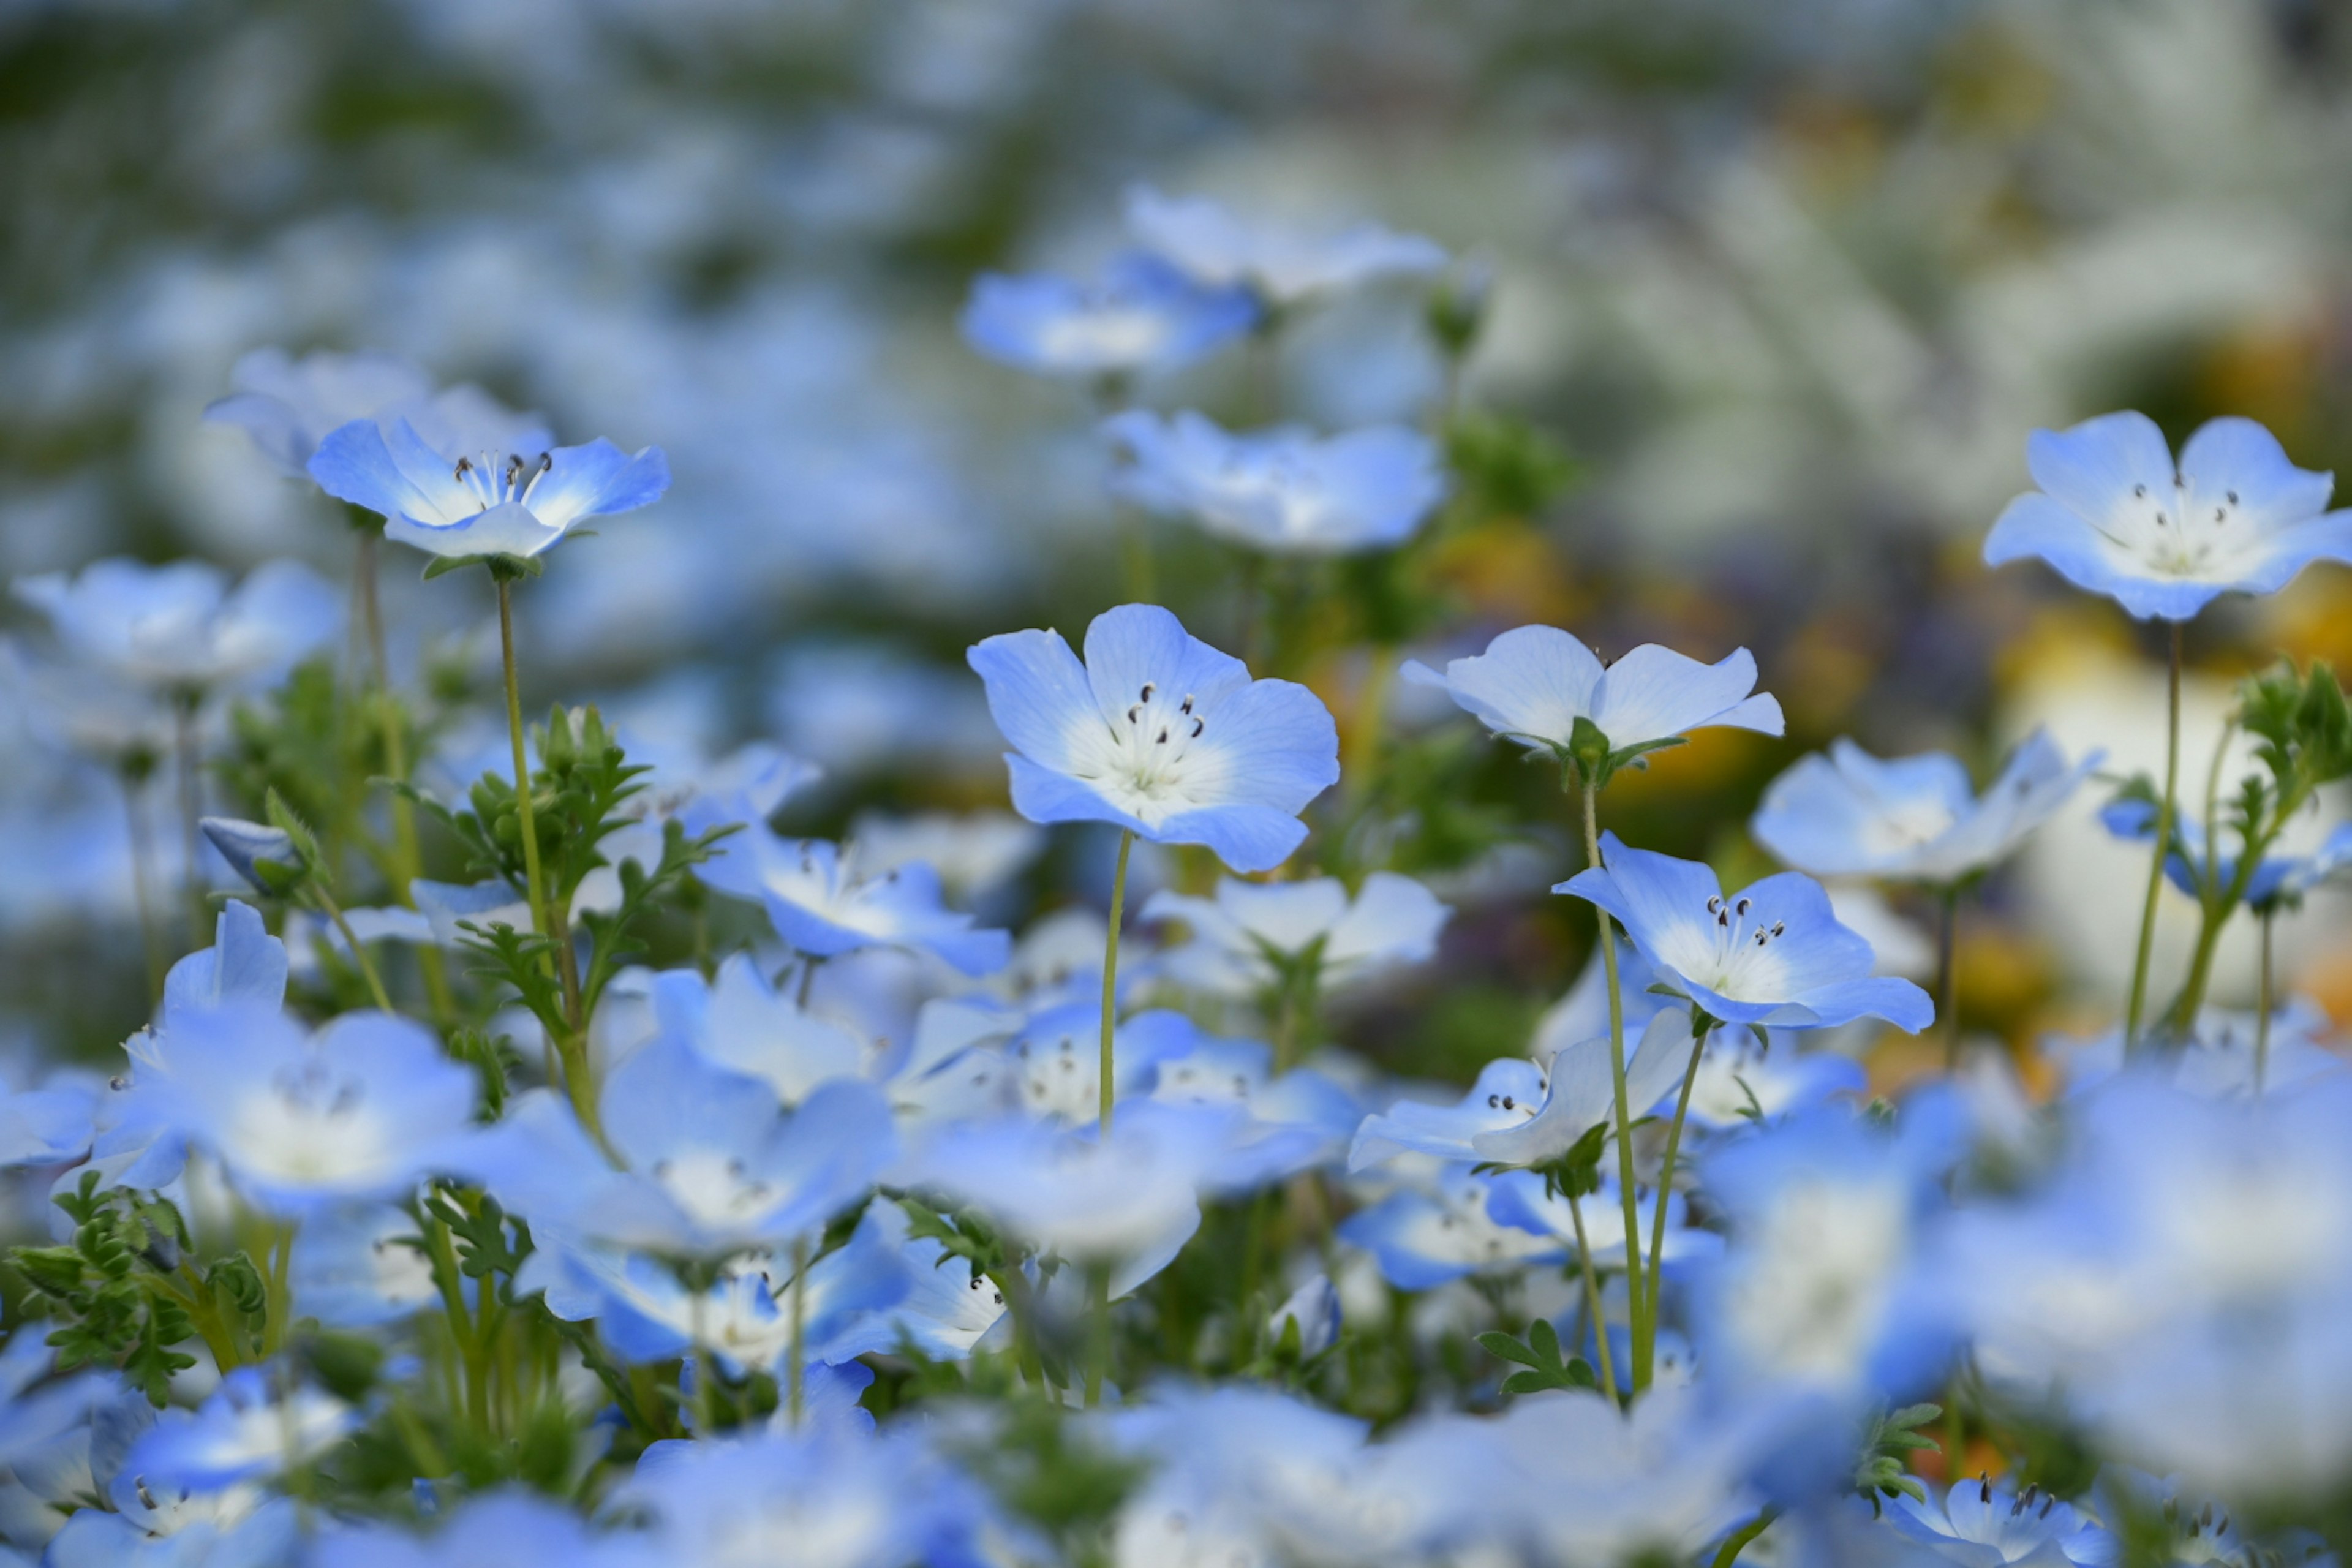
(1110, 975)
(1099, 1336)
(328, 907)
(407, 860)
(143, 859)
(1729, 1553)
(184, 747)
(797, 1374)
(2138, 1002)
(1666, 1173)
(1947, 978)
(1644, 1326)
(2263, 1005)
(1593, 1300)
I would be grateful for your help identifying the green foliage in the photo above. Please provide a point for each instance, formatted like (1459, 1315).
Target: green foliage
(1539, 1355)
(1504, 467)
(303, 745)
(106, 1289)
(1887, 1446)
(493, 1057)
(488, 1240)
(2302, 724)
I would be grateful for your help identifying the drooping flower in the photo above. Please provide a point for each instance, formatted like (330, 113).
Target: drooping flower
(819, 905)
(1144, 316)
(2279, 879)
(1249, 933)
(1314, 1308)
(1534, 684)
(2113, 515)
(181, 628)
(1282, 265)
(1848, 813)
(492, 503)
(288, 405)
(1771, 954)
(362, 1110)
(1158, 733)
(1286, 492)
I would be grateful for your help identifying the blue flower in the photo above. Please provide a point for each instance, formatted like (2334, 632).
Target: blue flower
(361, 1265)
(1160, 734)
(1523, 1200)
(1285, 491)
(1422, 1237)
(1533, 684)
(487, 1530)
(819, 905)
(745, 1025)
(364, 1108)
(1772, 954)
(1283, 265)
(266, 857)
(712, 1163)
(491, 502)
(1849, 813)
(2114, 516)
(1242, 937)
(645, 1314)
(2279, 879)
(1144, 316)
(1314, 1307)
(258, 1421)
(181, 628)
(2217, 1060)
(288, 405)
(1979, 1522)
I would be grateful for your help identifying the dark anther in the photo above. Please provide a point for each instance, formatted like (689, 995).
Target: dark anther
(1148, 689)
(2233, 498)
(464, 466)
(1778, 926)
(1984, 1486)
(1495, 1101)
(1199, 725)
(1740, 909)
(2139, 492)
(1163, 736)
(1510, 1104)
(1185, 706)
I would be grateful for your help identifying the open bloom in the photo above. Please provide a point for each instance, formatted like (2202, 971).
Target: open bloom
(1771, 954)
(288, 405)
(258, 1421)
(181, 626)
(1161, 733)
(1281, 265)
(820, 906)
(1848, 813)
(1286, 491)
(1244, 936)
(2114, 516)
(489, 502)
(1145, 315)
(1533, 684)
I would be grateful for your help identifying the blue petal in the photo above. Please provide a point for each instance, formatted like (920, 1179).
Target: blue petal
(1135, 646)
(1037, 693)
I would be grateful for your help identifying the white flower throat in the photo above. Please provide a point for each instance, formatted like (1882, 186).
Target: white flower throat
(1743, 939)
(1144, 766)
(493, 484)
(2188, 537)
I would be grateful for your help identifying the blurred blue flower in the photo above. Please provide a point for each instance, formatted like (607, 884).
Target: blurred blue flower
(1742, 1080)
(1772, 954)
(2114, 516)
(1523, 1200)
(1285, 491)
(1315, 1307)
(711, 1162)
(288, 405)
(1283, 265)
(1144, 316)
(260, 1420)
(361, 1265)
(487, 502)
(181, 628)
(1423, 1235)
(1242, 937)
(1848, 813)
(255, 850)
(364, 1108)
(2216, 1062)
(821, 907)
(745, 1025)
(2280, 879)
(1161, 734)
(1533, 683)
(1984, 1525)
(492, 1530)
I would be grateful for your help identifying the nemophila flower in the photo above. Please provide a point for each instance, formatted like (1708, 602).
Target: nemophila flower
(1286, 492)
(50, 1123)
(182, 628)
(2280, 879)
(1282, 265)
(1845, 812)
(2216, 1062)
(288, 405)
(2112, 514)
(1744, 1079)
(1423, 1236)
(808, 1496)
(1160, 734)
(364, 1108)
(976, 852)
(1983, 1523)
(1290, 1121)
(1250, 933)
(1771, 954)
(1143, 316)
(494, 1530)
(361, 1265)
(645, 1313)
(1535, 685)
(1584, 1012)
(712, 1161)
(491, 502)
(1128, 1204)
(266, 857)
(1522, 1200)
(151, 1520)
(947, 1309)
(743, 1023)
(1055, 1068)
(260, 1420)
(1314, 1308)
(819, 905)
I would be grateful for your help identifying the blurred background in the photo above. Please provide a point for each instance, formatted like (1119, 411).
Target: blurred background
(1786, 285)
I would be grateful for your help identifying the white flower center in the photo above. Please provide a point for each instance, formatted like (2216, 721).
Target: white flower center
(714, 1188)
(2182, 534)
(1731, 950)
(306, 1124)
(493, 483)
(1143, 761)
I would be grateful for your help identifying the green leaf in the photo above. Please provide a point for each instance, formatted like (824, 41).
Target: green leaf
(1506, 1348)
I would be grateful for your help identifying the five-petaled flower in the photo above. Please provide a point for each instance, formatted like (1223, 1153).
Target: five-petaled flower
(1286, 492)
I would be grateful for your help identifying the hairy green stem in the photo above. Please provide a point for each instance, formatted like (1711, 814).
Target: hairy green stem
(1107, 1088)
(1667, 1171)
(327, 906)
(1644, 1325)
(1593, 1300)
(2138, 1002)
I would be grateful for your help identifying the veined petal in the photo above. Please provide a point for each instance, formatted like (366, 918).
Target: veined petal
(1653, 693)
(1135, 646)
(2237, 463)
(2090, 467)
(1245, 837)
(1535, 682)
(596, 481)
(396, 478)
(1037, 692)
(508, 529)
